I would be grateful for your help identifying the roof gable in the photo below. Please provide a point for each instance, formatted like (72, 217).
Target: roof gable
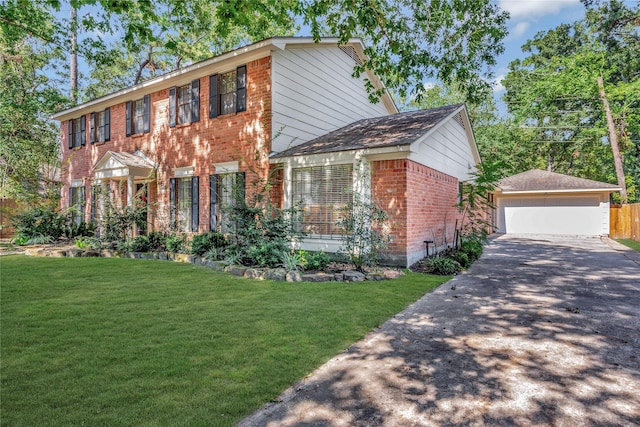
(536, 180)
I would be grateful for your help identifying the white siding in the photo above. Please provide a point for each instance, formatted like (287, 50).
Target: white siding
(313, 93)
(447, 149)
(557, 214)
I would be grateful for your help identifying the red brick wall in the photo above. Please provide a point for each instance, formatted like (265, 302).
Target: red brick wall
(420, 202)
(233, 137)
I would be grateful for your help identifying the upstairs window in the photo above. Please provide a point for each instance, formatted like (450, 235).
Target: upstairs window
(100, 126)
(77, 130)
(138, 114)
(228, 92)
(184, 103)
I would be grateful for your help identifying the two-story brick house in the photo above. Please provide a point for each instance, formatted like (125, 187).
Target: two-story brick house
(185, 139)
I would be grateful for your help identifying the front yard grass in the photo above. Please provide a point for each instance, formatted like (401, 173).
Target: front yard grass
(630, 243)
(103, 341)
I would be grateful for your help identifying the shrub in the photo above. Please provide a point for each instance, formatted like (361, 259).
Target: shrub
(157, 241)
(472, 247)
(443, 266)
(139, 244)
(214, 254)
(176, 243)
(461, 258)
(316, 260)
(291, 261)
(269, 253)
(203, 243)
(363, 224)
(40, 222)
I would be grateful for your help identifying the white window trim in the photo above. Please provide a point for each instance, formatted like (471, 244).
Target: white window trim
(226, 167)
(76, 183)
(183, 172)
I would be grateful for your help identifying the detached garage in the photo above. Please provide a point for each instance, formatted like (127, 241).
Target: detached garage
(541, 202)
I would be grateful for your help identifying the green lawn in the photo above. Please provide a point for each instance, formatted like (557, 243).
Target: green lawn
(104, 341)
(630, 243)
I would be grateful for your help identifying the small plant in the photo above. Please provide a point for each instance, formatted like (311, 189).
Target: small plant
(443, 266)
(87, 243)
(233, 257)
(176, 243)
(291, 261)
(268, 254)
(316, 260)
(460, 257)
(139, 244)
(214, 254)
(202, 243)
(157, 241)
(472, 247)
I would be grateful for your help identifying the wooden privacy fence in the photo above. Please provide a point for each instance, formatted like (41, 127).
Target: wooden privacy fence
(625, 222)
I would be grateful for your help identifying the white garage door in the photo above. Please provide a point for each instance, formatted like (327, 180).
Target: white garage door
(584, 216)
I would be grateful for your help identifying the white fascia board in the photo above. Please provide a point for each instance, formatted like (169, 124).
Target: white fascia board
(543, 192)
(337, 157)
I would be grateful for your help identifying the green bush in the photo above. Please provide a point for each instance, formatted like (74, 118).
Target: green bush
(443, 266)
(269, 253)
(39, 222)
(140, 244)
(472, 247)
(460, 257)
(157, 241)
(176, 243)
(203, 243)
(315, 260)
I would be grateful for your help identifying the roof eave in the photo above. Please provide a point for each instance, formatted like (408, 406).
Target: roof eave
(585, 190)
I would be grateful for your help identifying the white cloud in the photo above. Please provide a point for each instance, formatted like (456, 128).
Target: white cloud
(534, 8)
(497, 84)
(520, 28)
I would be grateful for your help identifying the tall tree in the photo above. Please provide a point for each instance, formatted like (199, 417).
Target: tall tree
(554, 93)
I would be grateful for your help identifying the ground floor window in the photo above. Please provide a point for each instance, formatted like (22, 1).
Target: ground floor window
(184, 204)
(226, 190)
(322, 192)
(76, 204)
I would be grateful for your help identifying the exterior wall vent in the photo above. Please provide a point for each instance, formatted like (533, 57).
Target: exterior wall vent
(351, 53)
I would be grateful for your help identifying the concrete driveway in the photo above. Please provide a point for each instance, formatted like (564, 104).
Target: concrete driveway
(540, 331)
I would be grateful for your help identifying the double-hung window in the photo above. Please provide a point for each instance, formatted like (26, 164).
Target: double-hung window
(225, 190)
(228, 92)
(76, 203)
(100, 126)
(184, 103)
(184, 199)
(77, 130)
(138, 116)
(322, 192)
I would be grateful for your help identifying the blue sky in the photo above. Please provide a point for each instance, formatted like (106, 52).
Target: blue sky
(528, 17)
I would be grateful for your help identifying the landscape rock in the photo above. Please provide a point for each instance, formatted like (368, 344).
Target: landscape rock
(294, 276)
(91, 253)
(353, 276)
(254, 273)
(317, 277)
(74, 253)
(236, 270)
(276, 274)
(392, 274)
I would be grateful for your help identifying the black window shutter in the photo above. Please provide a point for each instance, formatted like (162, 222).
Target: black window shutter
(172, 106)
(195, 203)
(241, 184)
(128, 118)
(92, 214)
(70, 138)
(195, 101)
(241, 89)
(92, 126)
(146, 119)
(83, 130)
(172, 203)
(213, 202)
(107, 124)
(70, 197)
(213, 96)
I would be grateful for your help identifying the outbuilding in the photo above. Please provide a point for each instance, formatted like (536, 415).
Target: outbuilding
(542, 202)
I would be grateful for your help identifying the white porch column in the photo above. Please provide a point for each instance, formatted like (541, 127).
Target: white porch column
(130, 190)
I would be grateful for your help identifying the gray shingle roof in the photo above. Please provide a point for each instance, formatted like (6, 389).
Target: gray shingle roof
(385, 131)
(131, 160)
(539, 180)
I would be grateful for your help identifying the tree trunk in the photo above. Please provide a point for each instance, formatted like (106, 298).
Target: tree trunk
(73, 66)
(613, 140)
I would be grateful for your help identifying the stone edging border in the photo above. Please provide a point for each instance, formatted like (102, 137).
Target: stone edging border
(278, 274)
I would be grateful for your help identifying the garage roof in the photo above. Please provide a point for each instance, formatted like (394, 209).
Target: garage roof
(539, 181)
